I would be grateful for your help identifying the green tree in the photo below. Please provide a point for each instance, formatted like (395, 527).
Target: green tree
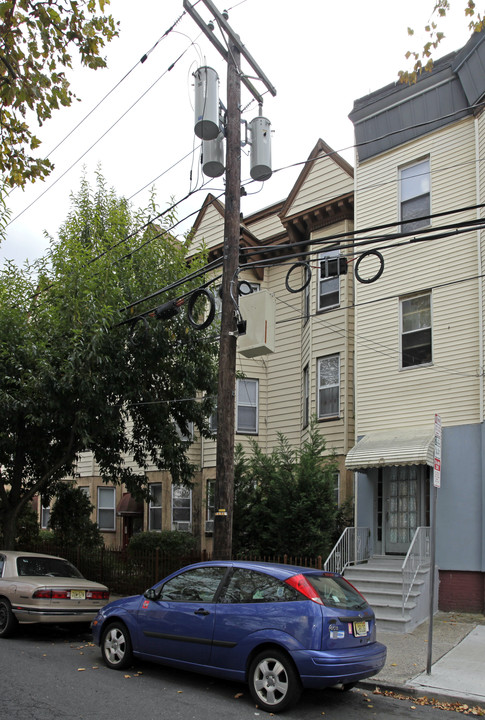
(36, 44)
(284, 502)
(73, 377)
(70, 519)
(423, 58)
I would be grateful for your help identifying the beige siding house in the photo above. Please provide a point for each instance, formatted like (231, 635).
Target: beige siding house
(419, 193)
(310, 371)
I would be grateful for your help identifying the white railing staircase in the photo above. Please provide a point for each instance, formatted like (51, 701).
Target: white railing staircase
(397, 588)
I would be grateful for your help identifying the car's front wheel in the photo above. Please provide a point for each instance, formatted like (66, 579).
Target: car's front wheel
(273, 681)
(116, 646)
(8, 621)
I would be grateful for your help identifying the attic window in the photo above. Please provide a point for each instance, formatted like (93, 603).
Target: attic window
(415, 196)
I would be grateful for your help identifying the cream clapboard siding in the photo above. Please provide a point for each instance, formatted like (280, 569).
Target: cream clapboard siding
(480, 123)
(326, 179)
(211, 229)
(332, 333)
(388, 396)
(266, 227)
(284, 405)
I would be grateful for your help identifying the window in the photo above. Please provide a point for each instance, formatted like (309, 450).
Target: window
(181, 508)
(86, 490)
(329, 386)
(249, 586)
(190, 434)
(213, 422)
(328, 287)
(45, 516)
(106, 508)
(415, 200)
(306, 396)
(211, 490)
(336, 488)
(155, 507)
(197, 585)
(416, 331)
(306, 304)
(247, 406)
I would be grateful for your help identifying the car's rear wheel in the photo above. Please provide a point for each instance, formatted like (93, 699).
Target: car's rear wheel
(8, 621)
(116, 646)
(273, 681)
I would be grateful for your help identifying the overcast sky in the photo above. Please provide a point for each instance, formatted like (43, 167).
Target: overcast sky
(321, 55)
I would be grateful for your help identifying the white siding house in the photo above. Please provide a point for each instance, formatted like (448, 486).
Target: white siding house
(310, 371)
(419, 327)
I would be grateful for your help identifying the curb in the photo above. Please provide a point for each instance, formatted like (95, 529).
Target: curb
(413, 692)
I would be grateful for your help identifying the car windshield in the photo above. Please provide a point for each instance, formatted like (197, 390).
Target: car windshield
(336, 592)
(46, 566)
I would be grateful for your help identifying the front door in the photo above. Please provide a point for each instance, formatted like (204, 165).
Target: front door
(403, 507)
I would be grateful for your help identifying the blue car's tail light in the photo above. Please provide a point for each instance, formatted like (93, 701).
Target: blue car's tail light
(300, 583)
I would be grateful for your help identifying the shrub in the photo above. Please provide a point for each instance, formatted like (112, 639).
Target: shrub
(168, 541)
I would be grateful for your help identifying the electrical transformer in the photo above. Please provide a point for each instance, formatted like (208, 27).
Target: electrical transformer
(260, 129)
(206, 103)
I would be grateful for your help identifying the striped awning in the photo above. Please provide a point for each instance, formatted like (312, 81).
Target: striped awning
(407, 446)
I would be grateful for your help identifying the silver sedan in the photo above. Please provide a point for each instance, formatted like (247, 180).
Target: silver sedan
(37, 588)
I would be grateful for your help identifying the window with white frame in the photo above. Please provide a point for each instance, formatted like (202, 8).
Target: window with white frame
(155, 507)
(181, 507)
(328, 287)
(86, 490)
(415, 196)
(416, 341)
(45, 516)
(329, 386)
(106, 508)
(306, 303)
(213, 421)
(247, 406)
(189, 436)
(210, 504)
(336, 488)
(306, 396)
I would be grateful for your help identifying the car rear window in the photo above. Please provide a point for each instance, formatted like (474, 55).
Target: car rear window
(336, 592)
(46, 566)
(250, 586)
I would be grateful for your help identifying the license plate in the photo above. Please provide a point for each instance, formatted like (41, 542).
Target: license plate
(361, 628)
(78, 594)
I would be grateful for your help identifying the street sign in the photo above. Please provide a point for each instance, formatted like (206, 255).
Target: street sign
(437, 451)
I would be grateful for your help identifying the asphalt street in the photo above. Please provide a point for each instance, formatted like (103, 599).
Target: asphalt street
(58, 674)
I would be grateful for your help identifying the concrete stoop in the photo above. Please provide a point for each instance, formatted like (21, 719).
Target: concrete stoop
(380, 582)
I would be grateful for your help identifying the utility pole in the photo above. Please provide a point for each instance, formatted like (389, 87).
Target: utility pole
(224, 489)
(226, 400)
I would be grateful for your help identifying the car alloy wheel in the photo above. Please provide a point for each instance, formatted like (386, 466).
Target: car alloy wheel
(273, 681)
(116, 646)
(8, 621)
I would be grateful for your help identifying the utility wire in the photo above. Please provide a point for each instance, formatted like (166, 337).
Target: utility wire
(120, 82)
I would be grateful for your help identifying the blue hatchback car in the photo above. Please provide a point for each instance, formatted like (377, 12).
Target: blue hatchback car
(279, 628)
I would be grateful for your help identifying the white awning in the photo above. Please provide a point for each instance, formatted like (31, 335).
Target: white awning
(407, 446)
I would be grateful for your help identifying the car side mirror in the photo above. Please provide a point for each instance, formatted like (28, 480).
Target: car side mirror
(152, 594)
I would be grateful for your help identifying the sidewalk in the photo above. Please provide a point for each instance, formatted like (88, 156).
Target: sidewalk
(458, 660)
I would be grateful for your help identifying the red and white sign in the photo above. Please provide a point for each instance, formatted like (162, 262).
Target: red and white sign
(437, 451)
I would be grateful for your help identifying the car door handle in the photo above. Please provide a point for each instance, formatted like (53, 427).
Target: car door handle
(201, 611)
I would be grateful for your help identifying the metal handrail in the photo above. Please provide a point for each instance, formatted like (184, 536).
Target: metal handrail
(352, 547)
(417, 555)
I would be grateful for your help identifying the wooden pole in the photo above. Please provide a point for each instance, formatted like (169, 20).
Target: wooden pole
(224, 487)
